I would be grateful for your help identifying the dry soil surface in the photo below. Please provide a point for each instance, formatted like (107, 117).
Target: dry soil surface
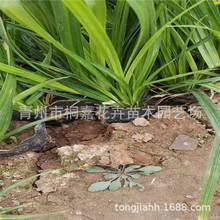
(177, 185)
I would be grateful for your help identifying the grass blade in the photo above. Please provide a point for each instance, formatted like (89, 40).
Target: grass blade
(6, 105)
(210, 180)
(96, 33)
(211, 110)
(213, 168)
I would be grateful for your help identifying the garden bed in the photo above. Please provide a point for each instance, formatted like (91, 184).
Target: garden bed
(179, 182)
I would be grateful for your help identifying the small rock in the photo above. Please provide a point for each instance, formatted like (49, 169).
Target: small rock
(141, 122)
(78, 212)
(6, 174)
(184, 142)
(65, 150)
(65, 126)
(163, 126)
(215, 101)
(32, 155)
(210, 130)
(142, 137)
(192, 202)
(166, 157)
(10, 163)
(189, 197)
(201, 141)
(16, 175)
(86, 166)
(187, 162)
(122, 127)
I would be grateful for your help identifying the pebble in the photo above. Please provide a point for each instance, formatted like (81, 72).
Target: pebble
(65, 126)
(163, 126)
(78, 212)
(189, 197)
(141, 122)
(142, 137)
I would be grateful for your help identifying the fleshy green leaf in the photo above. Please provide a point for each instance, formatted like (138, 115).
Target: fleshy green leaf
(135, 176)
(110, 176)
(150, 169)
(115, 185)
(96, 169)
(95, 187)
(131, 167)
(131, 184)
(126, 184)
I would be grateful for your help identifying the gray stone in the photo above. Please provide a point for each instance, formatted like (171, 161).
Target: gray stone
(184, 142)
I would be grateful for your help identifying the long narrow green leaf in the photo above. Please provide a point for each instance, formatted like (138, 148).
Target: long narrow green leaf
(213, 168)
(150, 42)
(98, 7)
(16, 11)
(211, 110)
(12, 217)
(6, 96)
(211, 86)
(33, 76)
(69, 31)
(8, 90)
(30, 91)
(96, 33)
(210, 180)
(119, 26)
(147, 82)
(145, 12)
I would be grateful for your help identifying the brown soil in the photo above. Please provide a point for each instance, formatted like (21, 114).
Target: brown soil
(179, 182)
(80, 131)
